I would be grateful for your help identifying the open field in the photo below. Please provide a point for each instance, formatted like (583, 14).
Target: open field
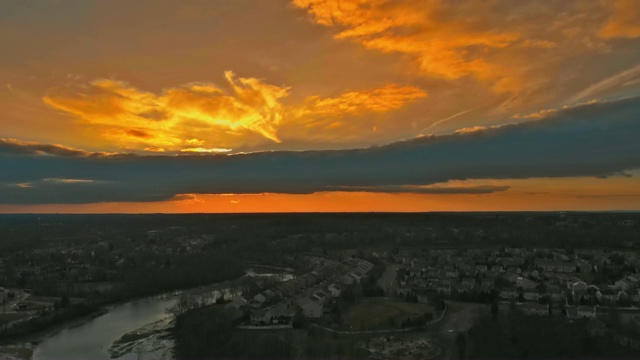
(380, 313)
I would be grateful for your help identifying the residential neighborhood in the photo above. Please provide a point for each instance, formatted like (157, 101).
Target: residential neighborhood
(313, 294)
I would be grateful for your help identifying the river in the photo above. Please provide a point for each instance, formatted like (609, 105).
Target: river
(92, 339)
(95, 338)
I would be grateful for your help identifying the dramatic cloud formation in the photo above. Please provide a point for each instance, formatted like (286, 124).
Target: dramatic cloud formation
(596, 139)
(132, 115)
(112, 106)
(506, 43)
(157, 123)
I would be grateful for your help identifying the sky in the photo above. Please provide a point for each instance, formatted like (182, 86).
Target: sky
(319, 105)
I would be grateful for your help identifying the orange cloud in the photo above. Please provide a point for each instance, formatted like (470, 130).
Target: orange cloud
(624, 21)
(510, 45)
(440, 41)
(544, 194)
(205, 150)
(130, 115)
(386, 98)
(204, 118)
(350, 116)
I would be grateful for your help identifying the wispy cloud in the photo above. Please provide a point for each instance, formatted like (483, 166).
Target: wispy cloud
(386, 98)
(620, 78)
(456, 115)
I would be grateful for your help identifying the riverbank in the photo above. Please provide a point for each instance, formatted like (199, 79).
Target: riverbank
(102, 308)
(140, 324)
(40, 335)
(133, 340)
(37, 336)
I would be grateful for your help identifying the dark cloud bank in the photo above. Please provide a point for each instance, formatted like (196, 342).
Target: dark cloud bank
(597, 139)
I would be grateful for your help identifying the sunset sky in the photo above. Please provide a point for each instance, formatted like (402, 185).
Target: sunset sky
(319, 105)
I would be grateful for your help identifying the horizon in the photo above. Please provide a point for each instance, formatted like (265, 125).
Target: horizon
(319, 106)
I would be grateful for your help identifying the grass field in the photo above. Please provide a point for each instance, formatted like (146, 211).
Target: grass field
(382, 313)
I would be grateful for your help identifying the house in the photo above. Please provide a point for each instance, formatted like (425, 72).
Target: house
(555, 294)
(260, 317)
(421, 283)
(556, 265)
(347, 280)
(514, 269)
(511, 277)
(466, 269)
(531, 295)
(355, 275)
(572, 312)
(261, 298)
(609, 295)
(468, 282)
(586, 311)
(535, 309)
(287, 289)
(335, 289)
(237, 303)
(508, 293)
(320, 296)
(451, 273)
(525, 283)
(361, 274)
(513, 262)
(365, 264)
(577, 286)
(627, 283)
(488, 282)
(269, 294)
(282, 313)
(443, 288)
(310, 308)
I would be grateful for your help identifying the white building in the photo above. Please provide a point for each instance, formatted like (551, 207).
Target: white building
(261, 317)
(334, 289)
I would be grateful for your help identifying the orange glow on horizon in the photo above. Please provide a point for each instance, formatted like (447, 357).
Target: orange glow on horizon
(579, 194)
